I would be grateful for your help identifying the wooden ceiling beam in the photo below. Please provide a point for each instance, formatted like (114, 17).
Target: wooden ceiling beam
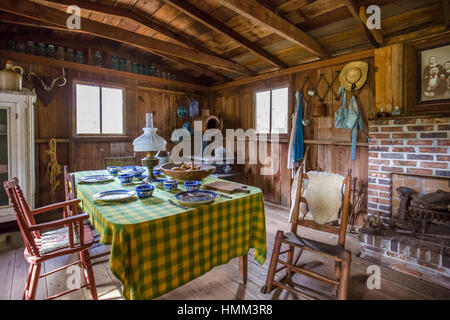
(375, 36)
(56, 17)
(134, 14)
(96, 44)
(220, 27)
(19, 20)
(446, 10)
(259, 13)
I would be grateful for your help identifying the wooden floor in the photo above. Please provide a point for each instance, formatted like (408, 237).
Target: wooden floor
(222, 282)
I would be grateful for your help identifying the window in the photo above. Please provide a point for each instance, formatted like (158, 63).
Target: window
(99, 110)
(272, 111)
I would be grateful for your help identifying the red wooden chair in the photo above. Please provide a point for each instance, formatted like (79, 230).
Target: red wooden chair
(50, 240)
(341, 257)
(71, 194)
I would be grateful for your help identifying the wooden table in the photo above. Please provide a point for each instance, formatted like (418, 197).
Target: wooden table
(157, 247)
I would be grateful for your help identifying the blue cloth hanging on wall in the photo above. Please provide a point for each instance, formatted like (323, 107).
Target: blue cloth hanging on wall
(358, 123)
(299, 147)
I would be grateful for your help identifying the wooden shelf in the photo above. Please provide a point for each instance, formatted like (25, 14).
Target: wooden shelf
(29, 58)
(336, 143)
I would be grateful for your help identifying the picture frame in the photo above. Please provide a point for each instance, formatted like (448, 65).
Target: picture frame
(427, 69)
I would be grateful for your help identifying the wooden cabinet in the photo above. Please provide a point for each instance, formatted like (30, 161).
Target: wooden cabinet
(16, 146)
(388, 79)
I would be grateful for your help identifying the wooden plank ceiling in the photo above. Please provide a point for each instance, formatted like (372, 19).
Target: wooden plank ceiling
(221, 40)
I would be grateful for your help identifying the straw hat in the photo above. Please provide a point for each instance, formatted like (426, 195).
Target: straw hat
(354, 75)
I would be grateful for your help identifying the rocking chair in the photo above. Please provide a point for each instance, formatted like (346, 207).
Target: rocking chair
(50, 240)
(341, 257)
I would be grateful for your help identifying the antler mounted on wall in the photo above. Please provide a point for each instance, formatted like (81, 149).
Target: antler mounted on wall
(45, 91)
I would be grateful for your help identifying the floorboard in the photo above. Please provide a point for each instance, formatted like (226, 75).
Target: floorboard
(223, 282)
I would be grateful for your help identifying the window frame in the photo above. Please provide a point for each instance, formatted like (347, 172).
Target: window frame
(282, 136)
(101, 136)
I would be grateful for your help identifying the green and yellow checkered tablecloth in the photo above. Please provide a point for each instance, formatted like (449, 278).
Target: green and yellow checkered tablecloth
(157, 247)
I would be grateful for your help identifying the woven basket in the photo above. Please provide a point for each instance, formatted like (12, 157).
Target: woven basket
(205, 170)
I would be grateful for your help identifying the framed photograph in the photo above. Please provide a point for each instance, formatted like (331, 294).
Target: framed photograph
(435, 74)
(428, 65)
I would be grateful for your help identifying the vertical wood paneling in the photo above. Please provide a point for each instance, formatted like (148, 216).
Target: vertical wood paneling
(325, 154)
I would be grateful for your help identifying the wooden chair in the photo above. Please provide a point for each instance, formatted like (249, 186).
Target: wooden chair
(119, 161)
(71, 194)
(50, 240)
(337, 252)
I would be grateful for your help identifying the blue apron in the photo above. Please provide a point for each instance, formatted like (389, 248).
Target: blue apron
(299, 148)
(349, 118)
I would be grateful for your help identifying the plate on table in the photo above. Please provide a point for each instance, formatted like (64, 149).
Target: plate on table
(95, 179)
(132, 169)
(114, 195)
(196, 197)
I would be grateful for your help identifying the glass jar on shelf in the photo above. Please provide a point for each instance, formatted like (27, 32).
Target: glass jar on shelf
(11, 45)
(152, 71)
(60, 53)
(30, 48)
(70, 55)
(114, 62)
(122, 65)
(146, 70)
(134, 67)
(79, 58)
(42, 49)
(128, 66)
(140, 69)
(173, 77)
(51, 53)
(168, 75)
(98, 59)
(158, 73)
(20, 47)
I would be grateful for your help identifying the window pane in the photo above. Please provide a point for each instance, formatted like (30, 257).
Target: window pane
(280, 111)
(263, 112)
(112, 111)
(88, 109)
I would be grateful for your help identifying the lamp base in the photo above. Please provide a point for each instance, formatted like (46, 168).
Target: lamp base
(150, 162)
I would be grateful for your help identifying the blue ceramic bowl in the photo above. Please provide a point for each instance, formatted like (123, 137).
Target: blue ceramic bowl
(135, 171)
(140, 178)
(170, 185)
(113, 170)
(159, 182)
(125, 178)
(192, 185)
(145, 191)
(157, 172)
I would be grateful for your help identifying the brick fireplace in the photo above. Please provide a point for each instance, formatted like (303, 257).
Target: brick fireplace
(411, 152)
(417, 147)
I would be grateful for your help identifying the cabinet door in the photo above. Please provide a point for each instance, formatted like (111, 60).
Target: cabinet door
(5, 152)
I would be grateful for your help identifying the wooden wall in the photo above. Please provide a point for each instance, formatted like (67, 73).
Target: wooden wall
(55, 121)
(330, 148)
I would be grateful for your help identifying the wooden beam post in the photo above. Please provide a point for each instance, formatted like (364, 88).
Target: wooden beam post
(446, 10)
(253, 10)
(56, 17)
(218, 26)
(374, 36)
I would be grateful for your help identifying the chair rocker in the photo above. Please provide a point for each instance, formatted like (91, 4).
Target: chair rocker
(293, 240)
